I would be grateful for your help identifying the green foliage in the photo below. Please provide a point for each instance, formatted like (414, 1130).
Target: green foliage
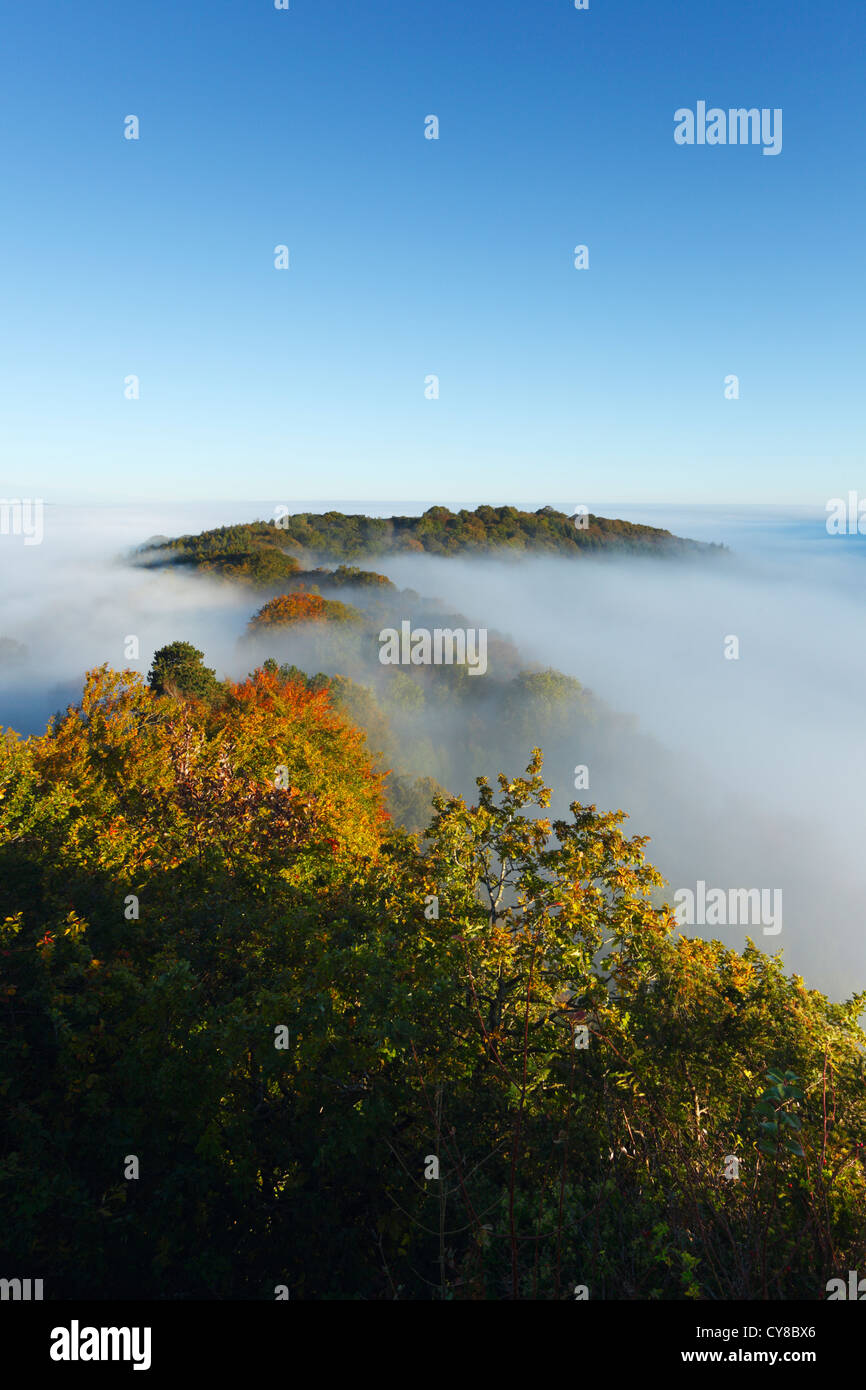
(778, 1116)
(254, 554)
(335, 535)
(351, 577)
(263, 569)
(178, 669)
(410, 800)
(295, 904)
(288, 674)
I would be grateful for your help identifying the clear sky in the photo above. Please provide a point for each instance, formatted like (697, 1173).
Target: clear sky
(411, 257)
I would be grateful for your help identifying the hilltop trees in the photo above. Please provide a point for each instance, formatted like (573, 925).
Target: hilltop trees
(254, 554)
(302, 607)
(248, 551)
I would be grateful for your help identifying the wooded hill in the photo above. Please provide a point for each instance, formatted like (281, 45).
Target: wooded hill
(255, 551)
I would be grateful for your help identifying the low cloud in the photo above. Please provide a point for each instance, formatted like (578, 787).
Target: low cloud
(747, 773)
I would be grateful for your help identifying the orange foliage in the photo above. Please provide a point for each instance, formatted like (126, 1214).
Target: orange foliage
(284, 722)
(299, 607)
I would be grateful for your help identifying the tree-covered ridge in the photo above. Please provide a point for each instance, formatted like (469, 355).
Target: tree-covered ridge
(337, 536)
(430, 726)
(434, 724)
(350, 576)
(251, 554)
(217, 957)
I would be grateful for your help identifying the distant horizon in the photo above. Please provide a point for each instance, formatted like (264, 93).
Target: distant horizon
(745, 526)
(416, 506)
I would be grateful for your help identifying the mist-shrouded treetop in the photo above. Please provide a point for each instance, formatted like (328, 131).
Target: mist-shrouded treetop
(302, 607)
(12, 653)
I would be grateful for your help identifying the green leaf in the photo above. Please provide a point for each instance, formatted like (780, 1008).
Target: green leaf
(793, 1121)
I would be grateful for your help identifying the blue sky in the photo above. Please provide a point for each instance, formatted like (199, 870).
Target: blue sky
(412, 257)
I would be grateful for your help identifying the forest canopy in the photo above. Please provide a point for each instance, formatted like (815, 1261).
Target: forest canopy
(256, 550)
(222, 959)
